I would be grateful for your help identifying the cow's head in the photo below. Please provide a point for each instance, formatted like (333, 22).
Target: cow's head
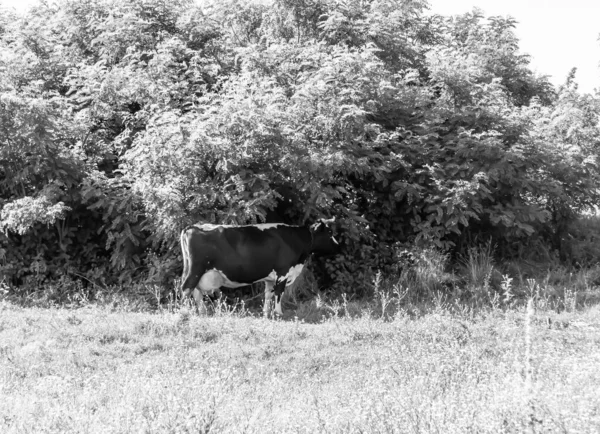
(323, 241)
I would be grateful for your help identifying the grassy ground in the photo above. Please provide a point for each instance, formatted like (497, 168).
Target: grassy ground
(98, 370)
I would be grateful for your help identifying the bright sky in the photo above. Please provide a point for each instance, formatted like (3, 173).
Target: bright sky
(558, 34)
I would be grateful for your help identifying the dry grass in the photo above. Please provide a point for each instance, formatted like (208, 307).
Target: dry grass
(97, 370)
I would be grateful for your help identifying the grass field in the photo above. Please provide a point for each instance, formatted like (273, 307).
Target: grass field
(94, 369)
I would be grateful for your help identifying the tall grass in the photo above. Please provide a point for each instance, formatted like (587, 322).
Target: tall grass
(427, 275)
(102, 370)
(477, 270)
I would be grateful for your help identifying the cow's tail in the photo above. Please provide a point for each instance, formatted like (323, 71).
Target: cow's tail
(185, 252)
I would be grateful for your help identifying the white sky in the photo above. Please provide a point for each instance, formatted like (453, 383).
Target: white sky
(558, 34)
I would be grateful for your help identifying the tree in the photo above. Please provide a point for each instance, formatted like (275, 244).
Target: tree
(124, 121)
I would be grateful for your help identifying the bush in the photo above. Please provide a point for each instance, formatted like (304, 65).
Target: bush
(581, 244)
(146, 116)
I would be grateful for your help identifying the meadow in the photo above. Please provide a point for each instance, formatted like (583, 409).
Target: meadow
(453, 168)
(442, 369)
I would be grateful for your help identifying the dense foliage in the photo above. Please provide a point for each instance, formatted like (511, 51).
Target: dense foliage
(122, 121)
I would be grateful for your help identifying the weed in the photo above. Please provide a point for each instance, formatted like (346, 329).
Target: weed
(529, 394)
(506, 287)
(477, 269)
(570, 300)
(384, 297)
(426, 274)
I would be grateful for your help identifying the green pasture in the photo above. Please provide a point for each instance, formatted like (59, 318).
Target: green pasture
(101, 369)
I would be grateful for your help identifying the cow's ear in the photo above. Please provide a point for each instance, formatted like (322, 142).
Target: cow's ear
(317, 226)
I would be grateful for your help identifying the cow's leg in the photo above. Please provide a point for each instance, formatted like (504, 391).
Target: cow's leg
(268, 297)
(189, 284)
(189, 281)
(192, 270)
(199, 299)
(279, 289)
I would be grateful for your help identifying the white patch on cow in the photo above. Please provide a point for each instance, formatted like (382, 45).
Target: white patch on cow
(260, 226)
(264, 226)
(210, 282)
(214, 279)
(272, 277)
(207, 226)
(292, 274)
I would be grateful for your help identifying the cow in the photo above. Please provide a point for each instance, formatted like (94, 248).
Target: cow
(216, 256)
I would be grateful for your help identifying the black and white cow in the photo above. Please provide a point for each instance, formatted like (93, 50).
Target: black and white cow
(216, 256)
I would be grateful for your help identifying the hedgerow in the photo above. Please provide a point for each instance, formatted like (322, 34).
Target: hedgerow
(124, 121)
